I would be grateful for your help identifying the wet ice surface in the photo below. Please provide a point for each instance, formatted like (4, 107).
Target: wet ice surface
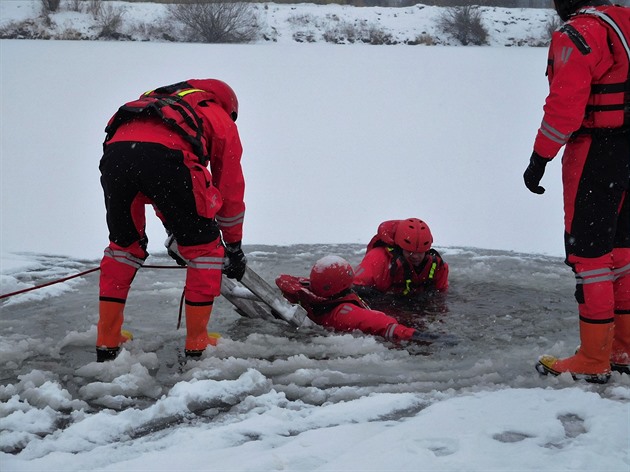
(504, 309)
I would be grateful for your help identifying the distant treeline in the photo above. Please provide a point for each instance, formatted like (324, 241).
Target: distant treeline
(402, 3)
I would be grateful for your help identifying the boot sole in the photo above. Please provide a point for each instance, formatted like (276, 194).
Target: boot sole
(106, 354)
(621, 368)
(590, 378)
(193, 354)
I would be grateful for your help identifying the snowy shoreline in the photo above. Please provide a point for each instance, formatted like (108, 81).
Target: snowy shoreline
(291, 23)
(337, 139)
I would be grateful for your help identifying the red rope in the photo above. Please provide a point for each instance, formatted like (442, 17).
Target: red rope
(80, 274)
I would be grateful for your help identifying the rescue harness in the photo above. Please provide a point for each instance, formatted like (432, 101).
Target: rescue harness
(347, 296)
(601, 89)
(175, 105)
(385, 238)
(408, 270)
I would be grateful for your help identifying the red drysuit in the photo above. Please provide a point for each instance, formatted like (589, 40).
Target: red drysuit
(346, 312)
(588, 109)
(385, 268)
(157, 151)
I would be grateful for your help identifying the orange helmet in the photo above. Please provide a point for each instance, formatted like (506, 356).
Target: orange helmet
(223, 93)
(330, 276)
(413, 235)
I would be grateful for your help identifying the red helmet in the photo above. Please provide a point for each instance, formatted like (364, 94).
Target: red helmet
(413, 235)
(223, 93)
(330, 276)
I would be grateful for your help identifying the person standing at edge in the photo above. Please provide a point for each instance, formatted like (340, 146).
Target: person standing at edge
(156, 152)
(588, 110)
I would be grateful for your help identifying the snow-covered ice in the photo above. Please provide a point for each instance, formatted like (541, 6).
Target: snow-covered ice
(337, 139)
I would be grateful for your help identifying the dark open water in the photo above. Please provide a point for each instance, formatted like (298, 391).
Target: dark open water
(503, 308)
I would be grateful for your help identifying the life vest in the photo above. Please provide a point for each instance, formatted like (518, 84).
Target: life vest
(175, 105)
(384, 237)
(297, 290)
(609, 103)
(384, 234)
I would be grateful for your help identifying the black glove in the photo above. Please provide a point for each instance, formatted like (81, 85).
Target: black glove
(234, 262)
(173, 250)
(534, 172)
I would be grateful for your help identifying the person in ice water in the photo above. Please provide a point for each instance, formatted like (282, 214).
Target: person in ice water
(156, 151)
(400, 261)
(329, 300)
(588, 111)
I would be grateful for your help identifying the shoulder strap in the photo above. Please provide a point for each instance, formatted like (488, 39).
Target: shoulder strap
(345, 297)
(577, 39)
(170, 89)
(173, 109)
(610, 22)
(612, 88)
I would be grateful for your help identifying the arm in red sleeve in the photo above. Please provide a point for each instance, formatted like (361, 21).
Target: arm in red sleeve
(573, 65)
(441, 277)
(373, 271)
(291, 287)
(227, 174)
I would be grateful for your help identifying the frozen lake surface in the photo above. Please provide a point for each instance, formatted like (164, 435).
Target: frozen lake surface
(503, 308)
(274, 383)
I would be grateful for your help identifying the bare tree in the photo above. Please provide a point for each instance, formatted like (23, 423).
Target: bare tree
(75, 5)
(217, 21)
(50, 6)
(95, 7)
(464, 23)
(553, 23)
(110, 20)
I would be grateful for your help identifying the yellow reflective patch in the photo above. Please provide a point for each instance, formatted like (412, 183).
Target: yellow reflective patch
(407, 287)
(186, 92)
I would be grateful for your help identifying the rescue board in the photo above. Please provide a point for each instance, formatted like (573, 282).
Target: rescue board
(279, 307)
(246, 303)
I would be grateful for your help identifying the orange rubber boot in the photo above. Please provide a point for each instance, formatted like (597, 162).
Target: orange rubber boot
(620, 356)
(591, 362)
(110, 334)
(197, 339)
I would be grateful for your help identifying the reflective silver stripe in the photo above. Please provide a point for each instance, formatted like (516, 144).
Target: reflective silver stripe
(552, 137)
(622, 271)
(231, 218)
(229, 225)
(565, 54)
(594, 276)
(553, 134)
(207, 263)
(594, 280)
(124, 258)
(345, 309)
(588, 273)
(604, 17)
(227, 222)
(389, 332)
(359, 271)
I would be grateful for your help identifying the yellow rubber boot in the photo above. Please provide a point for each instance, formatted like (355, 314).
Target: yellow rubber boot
(592, 360)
